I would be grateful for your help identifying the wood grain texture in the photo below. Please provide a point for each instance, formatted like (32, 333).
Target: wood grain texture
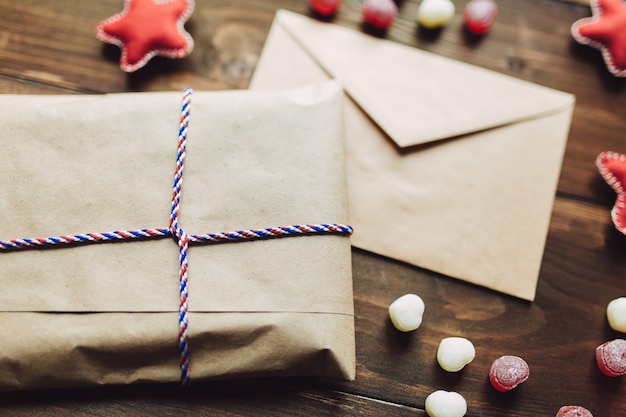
(50, 48)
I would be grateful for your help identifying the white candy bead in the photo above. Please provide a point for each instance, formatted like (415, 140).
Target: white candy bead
(445, 404)
(406, 312)
(454, 353)
(616, 314)
(435, 13)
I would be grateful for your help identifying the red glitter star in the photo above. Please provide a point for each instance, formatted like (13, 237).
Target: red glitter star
(606, 31)
(612, 166)
(146, 28)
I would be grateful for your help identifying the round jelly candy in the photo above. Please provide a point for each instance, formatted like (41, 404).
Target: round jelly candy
(435, 13)
(573, 411)
(611, 357)
(507, 372)
(479, 15)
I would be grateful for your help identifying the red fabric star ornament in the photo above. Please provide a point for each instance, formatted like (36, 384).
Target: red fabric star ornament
(146, 28)
(612, 166)
(606, 31)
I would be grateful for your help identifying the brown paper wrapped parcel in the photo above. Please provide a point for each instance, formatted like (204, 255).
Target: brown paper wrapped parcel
(107, 313)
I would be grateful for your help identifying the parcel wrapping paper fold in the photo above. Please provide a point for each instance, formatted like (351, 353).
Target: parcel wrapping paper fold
(107, 313)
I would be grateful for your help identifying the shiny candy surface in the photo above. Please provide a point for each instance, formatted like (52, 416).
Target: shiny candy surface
(479, 15)
(379, 13)
(325, 7)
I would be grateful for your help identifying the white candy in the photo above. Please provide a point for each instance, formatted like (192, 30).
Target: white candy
(435, 13)
(445, 404)
(454, 353)
(406, 312)
(616, 314)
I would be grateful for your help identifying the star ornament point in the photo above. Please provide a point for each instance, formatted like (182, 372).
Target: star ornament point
(612, 167)
(147, 28)
(606, 31)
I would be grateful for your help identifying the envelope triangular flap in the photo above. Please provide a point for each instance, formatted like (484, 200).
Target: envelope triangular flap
(461, 99)
(476, 208)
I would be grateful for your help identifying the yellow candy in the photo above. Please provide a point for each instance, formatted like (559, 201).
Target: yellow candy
(435, 13)
(616, 314)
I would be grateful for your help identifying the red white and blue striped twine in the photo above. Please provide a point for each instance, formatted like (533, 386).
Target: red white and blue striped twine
(181, 237)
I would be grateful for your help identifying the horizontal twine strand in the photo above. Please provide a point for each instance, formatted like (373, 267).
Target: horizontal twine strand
(221, 237)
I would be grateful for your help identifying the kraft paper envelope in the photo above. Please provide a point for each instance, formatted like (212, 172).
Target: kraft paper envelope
(450, 167)
(108, 312)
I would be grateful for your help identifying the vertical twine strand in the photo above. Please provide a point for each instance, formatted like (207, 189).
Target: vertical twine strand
(183, 241)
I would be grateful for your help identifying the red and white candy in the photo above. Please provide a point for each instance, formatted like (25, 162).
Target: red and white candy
(507, 372)
(379, 13)
(479, 15)
(325, 7)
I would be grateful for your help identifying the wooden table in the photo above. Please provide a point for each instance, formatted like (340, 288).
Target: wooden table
(49, 47)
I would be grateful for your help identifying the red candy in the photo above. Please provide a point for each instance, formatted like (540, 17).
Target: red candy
(573, 411)
(507, 372)
(379, 13)
(611, 357)
(325, 7)
(479, 15)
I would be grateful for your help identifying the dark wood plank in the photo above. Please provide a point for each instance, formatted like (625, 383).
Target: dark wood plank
(54, 43)
(226, 398)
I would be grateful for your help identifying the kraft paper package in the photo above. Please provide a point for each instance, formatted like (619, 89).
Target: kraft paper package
(108, 312)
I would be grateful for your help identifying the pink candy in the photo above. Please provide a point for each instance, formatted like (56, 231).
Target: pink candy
(507, 372)
(573, 411)
(479, 15)
(379, 13)
(611, 357)
(325, 7)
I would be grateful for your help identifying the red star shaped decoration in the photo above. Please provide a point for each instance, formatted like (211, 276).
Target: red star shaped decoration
(606, 31)
(612, 166)
(146, 28)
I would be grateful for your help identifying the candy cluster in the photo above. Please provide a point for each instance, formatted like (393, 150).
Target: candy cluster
(508, 371)
(478, 15)
(611, 355)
